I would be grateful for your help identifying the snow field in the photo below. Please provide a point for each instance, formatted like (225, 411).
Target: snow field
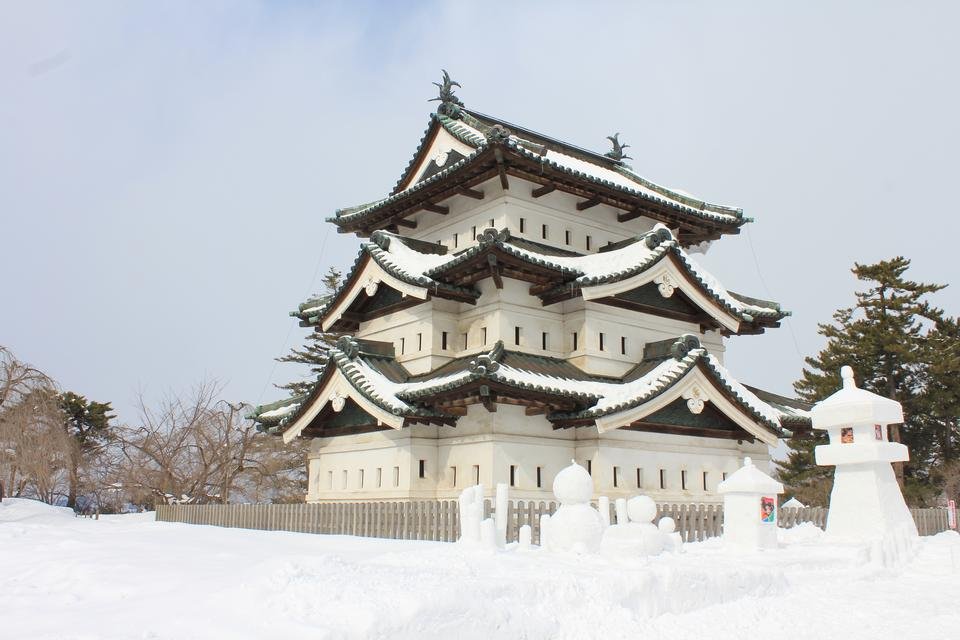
(129, 577)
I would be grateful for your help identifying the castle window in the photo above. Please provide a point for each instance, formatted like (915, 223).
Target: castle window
(455, 241)
(601, 341)
(464, 340)
(543, 231)
(683, 480)
(420, 342)
(329, 479)
(453, 477)
(590, 467)
(516, 336)
(575, 340)
(639, 478)
(544, 341)
(423, 468)
(379, 477)
(345, 478)
(443, 340)
(616, 477)
(705, 481)
(523, 225)
(539, 477)
(360, 479)
(483, 336)
(476, 474)
(513, 475)
(588, 243)
(724, 474)
(663, 479)
(396, 476)
(566, 236)
(491, 222)
(474, 232)
(403, 344)
(623, 345)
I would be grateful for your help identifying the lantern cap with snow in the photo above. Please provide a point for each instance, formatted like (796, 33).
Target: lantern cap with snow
(866, 501)
(856, 421)
(750, 508)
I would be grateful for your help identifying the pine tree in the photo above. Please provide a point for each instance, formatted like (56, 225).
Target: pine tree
(939, 405)
(88, 425)
(316, 349)
(884, 338)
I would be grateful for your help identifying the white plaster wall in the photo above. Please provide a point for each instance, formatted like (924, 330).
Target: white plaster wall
(493, 442)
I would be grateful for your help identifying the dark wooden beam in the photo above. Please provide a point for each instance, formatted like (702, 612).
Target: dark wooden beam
(455, 411)
(470, 193)
(586, 204)
(501, 168)
(409, 224)
(534, 411)
(487, 398)
(542, 191)
(495, 271)
(436, 208)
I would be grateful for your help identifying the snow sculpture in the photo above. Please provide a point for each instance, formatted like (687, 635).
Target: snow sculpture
(749, 508)
(866, 503)
(576, 526)
(620, 506)
(500, 514)
(603, 506)
(526, 536)
(470, 505)
(639, 536)
(792, 503)
(672, 541)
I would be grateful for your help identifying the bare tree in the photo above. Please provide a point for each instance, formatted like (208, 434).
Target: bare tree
(196, 449)
(29, 451)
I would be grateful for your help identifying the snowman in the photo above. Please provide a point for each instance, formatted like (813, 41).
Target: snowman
(576, 526)
(639, 536)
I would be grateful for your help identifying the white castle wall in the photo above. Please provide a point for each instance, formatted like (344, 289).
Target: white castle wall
(488, 444)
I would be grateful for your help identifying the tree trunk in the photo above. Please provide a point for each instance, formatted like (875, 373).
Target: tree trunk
(74, 480)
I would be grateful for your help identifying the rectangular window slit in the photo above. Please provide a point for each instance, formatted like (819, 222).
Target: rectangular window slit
(474, 233)
(639, 478)
(423, 468)
(329, 479)
(379, 477)
(476, 474)
(360, 480)
(683, 480)
(616, 477)
(516, 335)
(588, 243)
(575, 340)
(483, 336)
(705, 481)
(601, 341)
(566, 236)
(544, 341)
(523, 225)
(453, 477)
(543, 231)
(590, 467)
(663, 479)
(443, 340)
(513, 475)
(539, 477)
(623, 345)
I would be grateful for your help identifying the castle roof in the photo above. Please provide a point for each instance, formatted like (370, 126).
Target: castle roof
(616, 276)
(672, 372)
(492, 147)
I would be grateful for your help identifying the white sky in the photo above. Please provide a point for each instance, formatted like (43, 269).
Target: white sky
(166, 168)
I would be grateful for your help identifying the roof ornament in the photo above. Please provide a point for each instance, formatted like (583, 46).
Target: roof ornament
(483, 365)
(658, 236)
(498, 134)
(450, 105)
(348, 346)
(491, 236)
(684, 345)
(617, 152)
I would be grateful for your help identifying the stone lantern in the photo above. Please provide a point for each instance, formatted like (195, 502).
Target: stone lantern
(866, 501)
(750, 508)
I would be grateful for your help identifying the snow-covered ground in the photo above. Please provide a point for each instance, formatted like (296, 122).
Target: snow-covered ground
(129, 577)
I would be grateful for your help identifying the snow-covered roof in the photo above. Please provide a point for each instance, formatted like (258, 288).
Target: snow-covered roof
(435, 269)
(482, 133)
(387, 384)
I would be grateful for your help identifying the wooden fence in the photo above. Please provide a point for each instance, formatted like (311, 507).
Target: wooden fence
(439, 519)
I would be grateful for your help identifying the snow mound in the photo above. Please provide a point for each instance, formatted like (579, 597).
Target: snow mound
(800, 533)
(33, 512)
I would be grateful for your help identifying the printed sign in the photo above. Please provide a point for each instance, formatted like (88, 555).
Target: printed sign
(768, 508)
(846, 435)
(878, 431)
(952, 514)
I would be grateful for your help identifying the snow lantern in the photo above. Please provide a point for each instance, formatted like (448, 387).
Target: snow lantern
(750, 508)
(575, 526)
(793, 503)
(866, 501)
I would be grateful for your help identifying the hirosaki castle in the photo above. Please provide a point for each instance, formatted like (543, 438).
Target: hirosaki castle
(519, 302)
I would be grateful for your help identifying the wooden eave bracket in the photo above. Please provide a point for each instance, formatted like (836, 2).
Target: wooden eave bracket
(586, 204)
(494, 267)
(476, 194)
(544, 190)
(436, 208)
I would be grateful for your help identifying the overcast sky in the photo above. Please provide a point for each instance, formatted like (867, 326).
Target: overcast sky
(166, 168)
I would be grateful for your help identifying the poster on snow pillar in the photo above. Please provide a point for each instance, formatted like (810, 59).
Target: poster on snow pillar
(767, 509)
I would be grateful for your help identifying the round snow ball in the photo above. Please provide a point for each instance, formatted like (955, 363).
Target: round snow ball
(641, 509)
(667, 525)
(573, 485)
